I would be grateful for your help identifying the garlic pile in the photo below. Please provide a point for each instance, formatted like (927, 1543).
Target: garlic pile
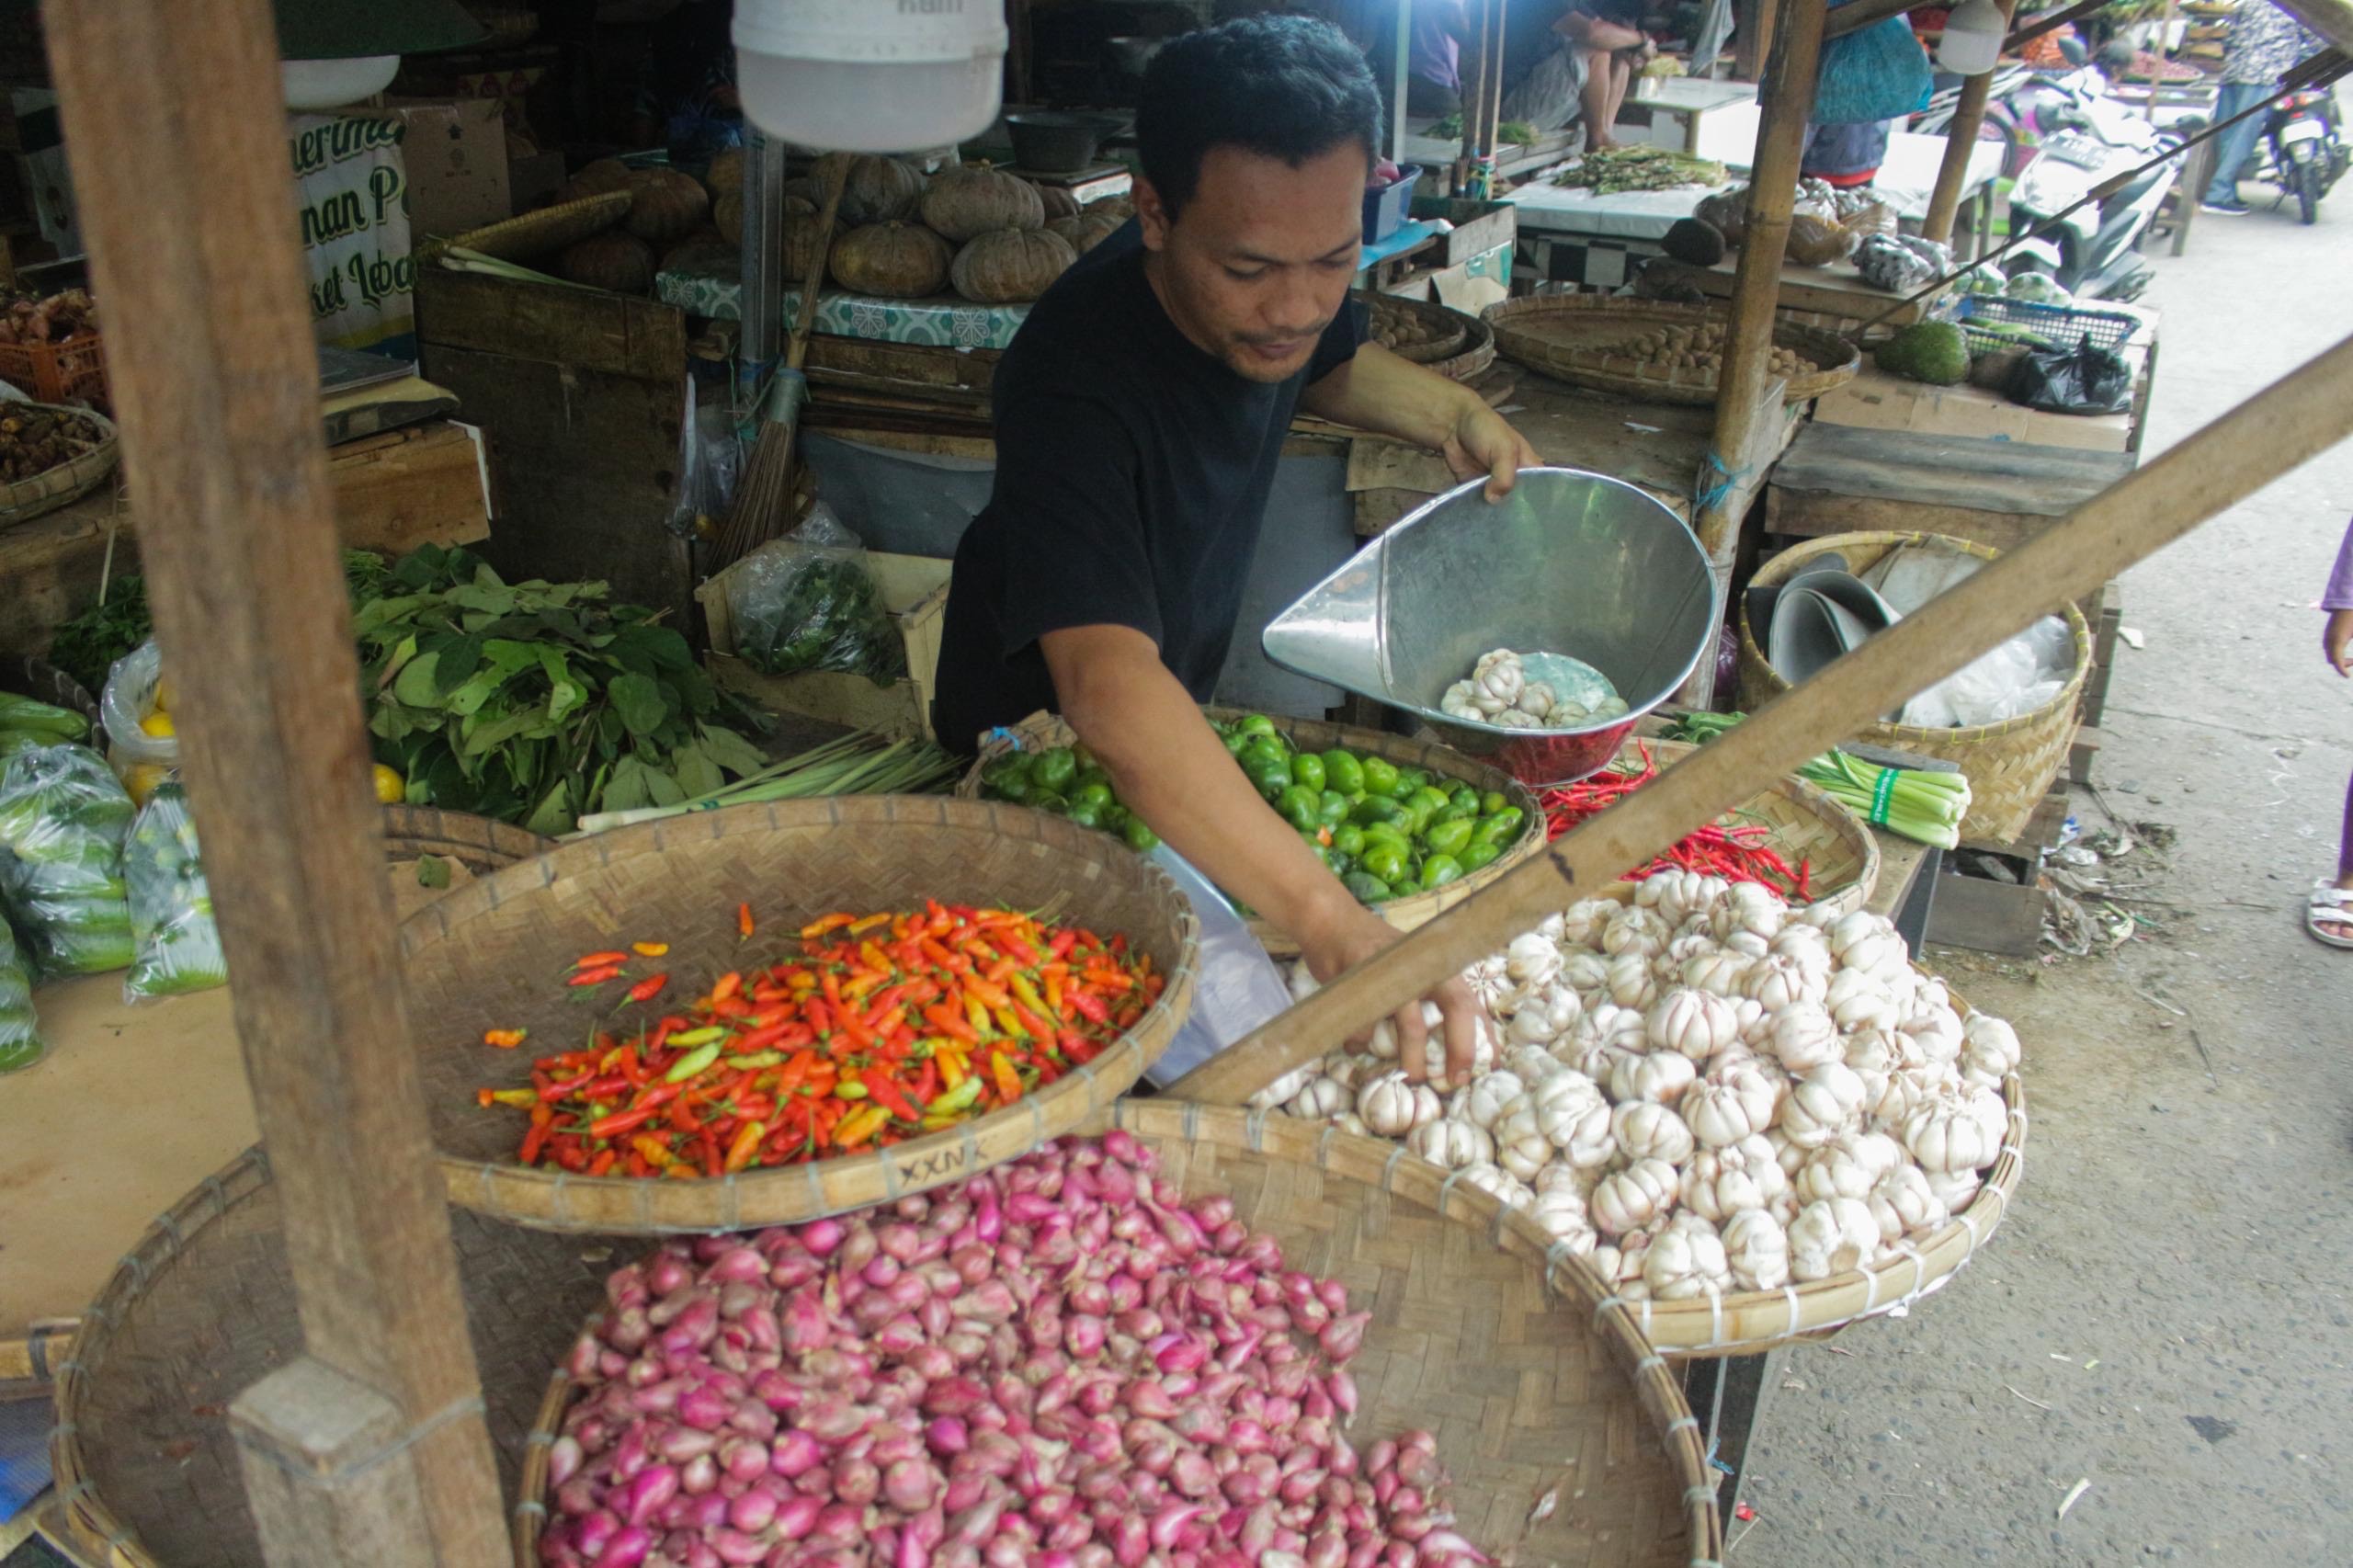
(1501, 691)
(1704, 1091)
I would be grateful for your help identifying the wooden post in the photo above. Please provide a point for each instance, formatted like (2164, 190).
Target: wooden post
(1752, 39)
(1492, 113)
(2301, 415)
(1960, 145)
(175, 112)
(1788, 100)
(1475, 101)
(1401, 75)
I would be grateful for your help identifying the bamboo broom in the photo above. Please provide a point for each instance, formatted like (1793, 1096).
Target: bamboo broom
(764, 496)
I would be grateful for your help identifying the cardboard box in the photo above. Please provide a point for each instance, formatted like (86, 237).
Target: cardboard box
(454, 157)
(1876, 401)
(914, 589)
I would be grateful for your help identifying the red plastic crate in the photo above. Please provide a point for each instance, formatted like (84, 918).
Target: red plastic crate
(58, 372)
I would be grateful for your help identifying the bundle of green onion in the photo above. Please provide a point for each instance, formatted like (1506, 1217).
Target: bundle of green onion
(861, 763)
(1926, 807)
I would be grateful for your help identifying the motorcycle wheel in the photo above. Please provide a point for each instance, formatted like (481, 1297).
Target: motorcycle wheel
(2307, 177)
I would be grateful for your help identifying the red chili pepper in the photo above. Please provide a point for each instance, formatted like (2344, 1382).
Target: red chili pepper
(887, 1093)
(595, 976)
(601, 961)
(1090, 1007)
(623, 1121)
(743, 922)
(649, 988)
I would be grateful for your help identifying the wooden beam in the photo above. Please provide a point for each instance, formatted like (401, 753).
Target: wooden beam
(1752, 40)
(2301, 415)
(1865, 13)
(1960, 144)
(1788, 99)
(173, 108)
(2051, 22)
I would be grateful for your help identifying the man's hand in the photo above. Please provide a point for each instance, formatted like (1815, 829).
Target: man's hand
(2336, 641)
(1345, 939)
(1483, 441)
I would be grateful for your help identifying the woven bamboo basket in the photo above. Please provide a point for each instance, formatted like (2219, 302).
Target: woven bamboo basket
(1047, 730)
(1801, 822)
(147, 1474)
(2010, 764)
(1573, 337)
(1445, 333)
(25, 499)
(479, 844)
(493, 953)
(541, 232)
(1534, 1383)
(1478, 352)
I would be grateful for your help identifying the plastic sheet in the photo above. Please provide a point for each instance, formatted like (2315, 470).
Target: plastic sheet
(171, 904)
(2022, 674)
(19, 1032)
(1236, 986)
(807, 602)
(63, 817)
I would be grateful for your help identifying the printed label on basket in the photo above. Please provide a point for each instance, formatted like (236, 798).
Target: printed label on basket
(1882, 794)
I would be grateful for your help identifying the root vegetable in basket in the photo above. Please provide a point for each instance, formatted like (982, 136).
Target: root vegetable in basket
(1701, 348)
(35, 440)
(838, 1391)
(53, 320)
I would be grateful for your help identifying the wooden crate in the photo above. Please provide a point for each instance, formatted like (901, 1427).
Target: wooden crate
(914, 588)
(1992, 916)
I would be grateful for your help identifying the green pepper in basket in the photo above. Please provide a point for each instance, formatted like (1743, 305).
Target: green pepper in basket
(1054, 769)
(1500, 829)
(1308, 768)
(1343, 772)
(1138, 835)
(1376, 809)
(1257, 726)
(1441, 870)
(1348, 839)
(1379, 775)
(1368, 887)
(1477, 857)
(1450, 837)
(1299, 805)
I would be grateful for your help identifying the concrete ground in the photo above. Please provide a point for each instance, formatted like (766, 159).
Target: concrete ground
(2165, 1316)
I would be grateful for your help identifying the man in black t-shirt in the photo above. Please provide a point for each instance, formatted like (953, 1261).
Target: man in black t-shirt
(1140, 414)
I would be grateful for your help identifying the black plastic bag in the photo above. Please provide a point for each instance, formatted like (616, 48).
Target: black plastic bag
(2082, 379)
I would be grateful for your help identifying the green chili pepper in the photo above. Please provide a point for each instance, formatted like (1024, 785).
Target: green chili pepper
(960, 1098)
(691, 1063)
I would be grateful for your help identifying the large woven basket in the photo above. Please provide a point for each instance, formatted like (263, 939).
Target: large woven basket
(25, 499)
(1534, 1383)
(493, 954)
(1572, 338)
(2010, 764)
(1041, 730)
(203, 1306)
(1801, 823)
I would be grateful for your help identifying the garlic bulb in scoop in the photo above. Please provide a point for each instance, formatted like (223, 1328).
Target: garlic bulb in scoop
(1777, 983)
(1545, 1014)
(1634, 930)
(1352, 1124)
(1806, 947)
(1832, 1237)
(1521, 1146)
(1679, 895)
(1719, 1183)
(1631, 981)
(1663, 1077)
(1686, 1261)
(1720, 974)
(1321, 1099)
(1695, 1023)
(1748, 906)
(1849, 1165)
(1956, 1190)
(1858, 1002)
(1559, 1211)
(1757, 1249)
(1448, 1143)
(1531, 959)
(1499, 1185)
(1645, 1131)
(1286, 1087)
(1627, 1200)
(1822, 1104)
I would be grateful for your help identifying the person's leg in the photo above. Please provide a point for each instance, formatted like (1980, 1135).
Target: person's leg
(1596, 100)
(2233, 146)
(2338, 924)
(1621, 79)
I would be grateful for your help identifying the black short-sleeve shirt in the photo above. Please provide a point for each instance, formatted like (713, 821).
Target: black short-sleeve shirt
(1132, 477)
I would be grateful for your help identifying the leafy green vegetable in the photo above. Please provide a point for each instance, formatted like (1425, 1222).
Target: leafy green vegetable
(87, 646)
(536, 702)
(63, 820)
(825, 615)
(171, 904)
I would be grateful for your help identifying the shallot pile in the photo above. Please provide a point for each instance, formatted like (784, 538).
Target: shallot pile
(1060, 1363)
(1704, 1091)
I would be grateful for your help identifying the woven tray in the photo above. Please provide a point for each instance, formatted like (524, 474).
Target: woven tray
(1446, 331)
(203, 1306)
(1041, 730)
(479, 844)
(2010, 764)
(492, 954)
(1801, 822)
(539, 234)
(1532, 1383)
(1568, 337)
(26, 499)
(1478, 352)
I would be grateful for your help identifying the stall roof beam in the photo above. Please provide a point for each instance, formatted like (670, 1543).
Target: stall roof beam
(174, 111)
(2295, 419)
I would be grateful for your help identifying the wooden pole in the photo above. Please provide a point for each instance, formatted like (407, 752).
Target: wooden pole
(1400, 74)
(175, 113)
(2298, 417)
(1475, 101)
(1787, 97)
(1752, 40)
(1960, 145)
(1492, 114)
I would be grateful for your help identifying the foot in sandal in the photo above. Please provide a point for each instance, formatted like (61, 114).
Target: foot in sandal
(2328, 914)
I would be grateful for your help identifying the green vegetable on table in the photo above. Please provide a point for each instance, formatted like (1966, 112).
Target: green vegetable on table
(537, 702)
(171, 904)
(827, 615)
(87, 646)
(1933, 351)
(64, 816)
(1925, 807)
(19, 1032)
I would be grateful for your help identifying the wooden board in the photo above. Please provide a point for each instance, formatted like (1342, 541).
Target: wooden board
(1821, 295)
(585, 328)
(1986, 916)
(1947, 471)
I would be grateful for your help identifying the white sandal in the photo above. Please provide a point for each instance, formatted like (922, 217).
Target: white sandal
(2331, 903)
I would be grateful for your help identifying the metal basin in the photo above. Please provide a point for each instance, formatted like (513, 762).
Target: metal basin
(1570, 562)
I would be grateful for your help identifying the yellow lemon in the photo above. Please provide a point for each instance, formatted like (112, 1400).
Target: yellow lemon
(391, 789)
(167, 696)
(141, 779)
(159, 724)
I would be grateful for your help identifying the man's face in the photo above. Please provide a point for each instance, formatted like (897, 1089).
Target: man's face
(1261, 258)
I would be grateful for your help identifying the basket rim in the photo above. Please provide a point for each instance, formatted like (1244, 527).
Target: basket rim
(1818, 802)
(1569, 1281)
(1960, 734)
(22, 500)
(540, 1198)
(1838, 358)
(1405, 914)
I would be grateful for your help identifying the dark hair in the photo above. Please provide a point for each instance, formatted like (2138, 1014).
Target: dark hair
(1288, 87)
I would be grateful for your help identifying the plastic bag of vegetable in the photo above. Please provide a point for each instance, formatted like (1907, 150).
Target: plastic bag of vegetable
(171, 905)
(141, 742)
(64, 816)
(26, 723)
(807, 602)
(19, 1038)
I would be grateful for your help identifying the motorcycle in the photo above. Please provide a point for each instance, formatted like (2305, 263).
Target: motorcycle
(2087, 138)
(2303, 153)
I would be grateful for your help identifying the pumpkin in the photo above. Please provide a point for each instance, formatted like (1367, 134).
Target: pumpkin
(965, 202)
(1010, 264)
(665, 204)
(1059, 202)
(1087, 230)
(615, 259)
(875, 190)
(808, 189)
(726, 172)
(897, 261)
(705, 250)
(594, 179)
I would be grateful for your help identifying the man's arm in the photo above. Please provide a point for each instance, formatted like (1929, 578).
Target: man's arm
(1389, 395)
(1593, 32)
(1170, 769)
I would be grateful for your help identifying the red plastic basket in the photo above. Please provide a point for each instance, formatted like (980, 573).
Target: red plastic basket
(58, 372)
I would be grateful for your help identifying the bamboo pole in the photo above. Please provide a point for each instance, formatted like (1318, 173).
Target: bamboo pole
(1960, 145)
(175, 112)
(1741, 401)
(1493, 113)
(1474, 102)
(2294, 420)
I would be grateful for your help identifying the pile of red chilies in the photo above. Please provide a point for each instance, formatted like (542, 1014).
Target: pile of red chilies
(1736, 852)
